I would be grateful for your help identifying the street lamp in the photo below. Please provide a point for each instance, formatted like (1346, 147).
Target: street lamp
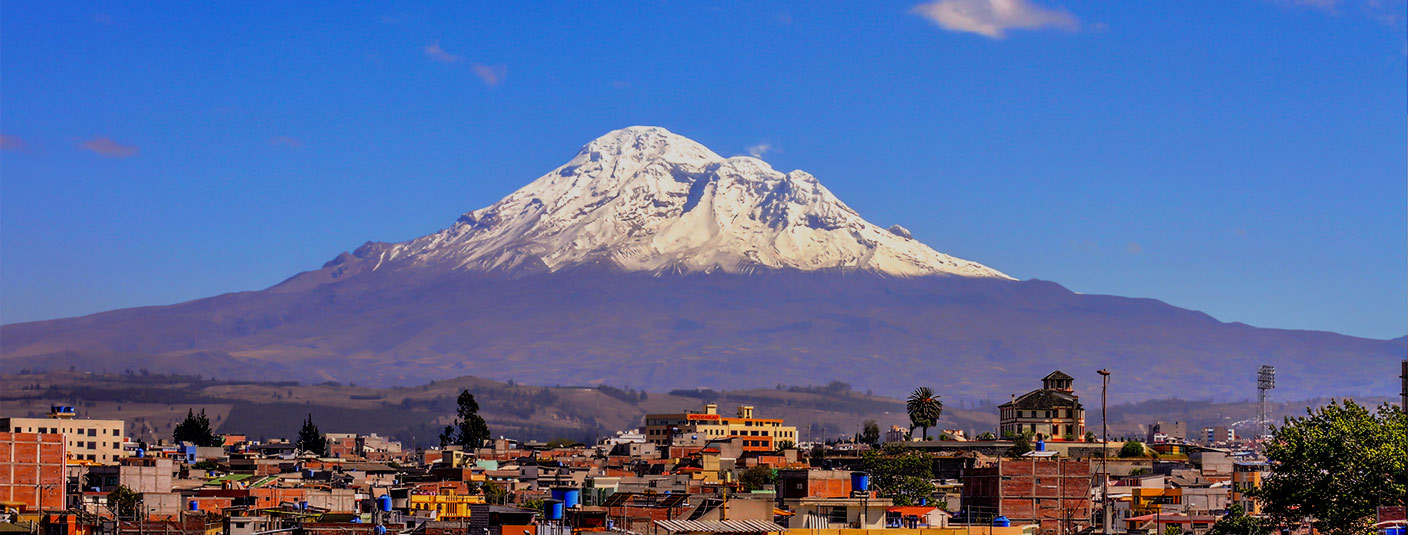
(1104, 454)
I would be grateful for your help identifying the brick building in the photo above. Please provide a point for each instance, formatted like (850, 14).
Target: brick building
(32, 470)
(1052, 492)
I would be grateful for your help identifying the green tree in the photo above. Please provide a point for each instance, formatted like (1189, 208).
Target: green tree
(1021, 444)
(310, 439)
(207, 465)
(1090, 436)
(495, 493)
(924, 408)
(987, 435)
(870, 432)
(1132, 448)
(469, 429)
(124, 502)
(196, 430)
(561, 443)
(1236, 522)
(784, 445)
(1336, 466)
(900, 473)
(1173, 529)
(757, 477)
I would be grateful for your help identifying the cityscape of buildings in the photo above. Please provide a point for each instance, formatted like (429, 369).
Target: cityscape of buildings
(693, 472)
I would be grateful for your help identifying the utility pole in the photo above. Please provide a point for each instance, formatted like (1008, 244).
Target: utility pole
(1104, 455)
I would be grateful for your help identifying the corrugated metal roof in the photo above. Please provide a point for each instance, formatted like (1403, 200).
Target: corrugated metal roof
(719, 526)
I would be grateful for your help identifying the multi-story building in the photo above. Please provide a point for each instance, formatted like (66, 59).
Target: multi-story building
(758, 434)
(1052, 492)
(86, 440)
(1245, 477)
(1212, 435)
(32, 470)
(1052, 412)
(1163, 431)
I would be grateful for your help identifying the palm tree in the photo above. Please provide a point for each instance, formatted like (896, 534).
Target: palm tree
(924, 408)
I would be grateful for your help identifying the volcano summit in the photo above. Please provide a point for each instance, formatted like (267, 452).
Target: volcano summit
(650, 261)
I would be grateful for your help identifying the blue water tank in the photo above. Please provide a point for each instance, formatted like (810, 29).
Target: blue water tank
(1001, 522)
(194, 505)
(1041, 445)
(380, 529)
(569, 497)
(385, 502)
(553, 509)
(141, 453)
(860, 481)
(356, 520)
(303, 506)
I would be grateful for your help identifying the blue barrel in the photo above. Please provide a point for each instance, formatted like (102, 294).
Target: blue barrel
(385, 502)
(1041, 445)
(860, 481)
(553, 509)
(380, 529)
(303, 505)
(193, 505)
(569, 497)
(1001, 522)
(356, 520)
(141, 453)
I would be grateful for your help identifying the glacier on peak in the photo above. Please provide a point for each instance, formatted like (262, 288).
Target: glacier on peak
(645, 199)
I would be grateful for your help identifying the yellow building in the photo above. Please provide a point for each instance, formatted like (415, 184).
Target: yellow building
(1149, 500)
(758, 434)
(447, 504)
(1245, 477)
(98, 441)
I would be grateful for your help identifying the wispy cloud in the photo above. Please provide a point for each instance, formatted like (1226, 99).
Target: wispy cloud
(435, 52)
(12, 143)
(993, 18)
(491, 74)
(759, 150)
(285, 141)
(107, 148)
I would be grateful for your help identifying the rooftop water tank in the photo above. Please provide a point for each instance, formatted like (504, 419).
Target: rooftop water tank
(385, 502)
(553, 509)
(1001, 522)
(570, 497)
(860, 481)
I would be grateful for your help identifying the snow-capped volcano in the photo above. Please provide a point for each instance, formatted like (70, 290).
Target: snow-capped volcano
(645, 199)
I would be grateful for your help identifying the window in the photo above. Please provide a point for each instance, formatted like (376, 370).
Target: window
(92, 432)
(836, 515)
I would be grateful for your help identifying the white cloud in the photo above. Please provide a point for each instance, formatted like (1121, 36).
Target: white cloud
(759, 150)
(9, 142)
(107, 148)
(491, 74)
(992, 18)
(286, 141)
(439, 54)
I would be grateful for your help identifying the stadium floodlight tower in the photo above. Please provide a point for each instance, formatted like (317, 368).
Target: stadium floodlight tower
(1265, 380)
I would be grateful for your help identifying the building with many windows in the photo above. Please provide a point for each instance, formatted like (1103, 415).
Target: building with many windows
(1052, 412)
(99, 441)
(758, 434)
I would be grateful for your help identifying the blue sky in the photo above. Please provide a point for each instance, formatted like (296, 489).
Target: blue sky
(1244, 158)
